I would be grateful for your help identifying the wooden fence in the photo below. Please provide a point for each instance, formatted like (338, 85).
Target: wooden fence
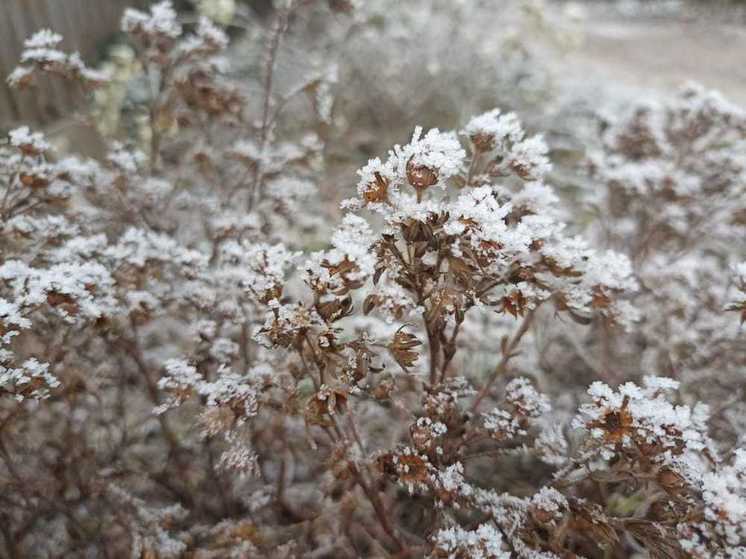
(86, 25)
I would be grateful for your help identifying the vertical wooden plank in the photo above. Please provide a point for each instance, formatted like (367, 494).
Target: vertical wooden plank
(49, 89)
(7, 109)
(28, 101)
(10, 50)
(75, 28)
(56, 94)
(85, 24)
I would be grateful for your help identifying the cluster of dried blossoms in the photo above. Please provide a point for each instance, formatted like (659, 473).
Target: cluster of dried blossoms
(107, 268)
(41, 54)
(669, 190)
(180, 376)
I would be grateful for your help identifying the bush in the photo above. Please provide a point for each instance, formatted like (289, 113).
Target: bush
(193, 365)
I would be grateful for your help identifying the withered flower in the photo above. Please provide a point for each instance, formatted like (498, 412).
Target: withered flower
(34, 180)
(616, 424)
(589, 519)
(483, 142)
(421, 177)
(600, 298)
(335, 309)
(402, 348)
(377, 191)
(383, 390)
(345, 271)
(515, 304)
(325, 404)
(405, 467)
(63, 301)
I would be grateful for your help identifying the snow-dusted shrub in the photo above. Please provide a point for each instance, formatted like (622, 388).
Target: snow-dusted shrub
(108, 267)
(669, 190)
(192, 365)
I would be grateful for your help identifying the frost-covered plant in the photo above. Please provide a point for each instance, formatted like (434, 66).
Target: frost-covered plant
(107, 267)
(42, 55)
(429, 240)
(193, 365)
(668, 189)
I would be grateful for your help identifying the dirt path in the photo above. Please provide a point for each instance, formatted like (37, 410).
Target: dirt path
(660, 54)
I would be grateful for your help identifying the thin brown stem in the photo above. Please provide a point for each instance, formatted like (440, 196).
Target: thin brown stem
(370, 493)
(279, 26)
(508, 353)
(434, 347)
(472, 168)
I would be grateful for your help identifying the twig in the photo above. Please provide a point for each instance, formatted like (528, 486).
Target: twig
(507, 356)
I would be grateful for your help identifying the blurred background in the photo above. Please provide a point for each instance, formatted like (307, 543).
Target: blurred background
(626, 45)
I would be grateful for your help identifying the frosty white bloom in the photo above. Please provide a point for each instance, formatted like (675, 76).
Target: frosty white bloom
(610, 269)
(179, 380)
(223, 350)
(138, 247)
(392, 301)
(502, 425)
(161, 20)
(142, 301)
(521, 394)
(25, 139)
(150, 525)
(41, 53)
(603, 276)
(486, 542)
(179, 373)
(73, 289)
(494, 130)
(239, 458)
(43, 56)
(440, 152)
(479, 205)
(568, 252)
(549, 500)
(290, 189)
(655, 384)
(724, 494)
(10, 316)
(436, 428)
(538, 198)
(231, 388)
(644, 414)
(208, 38)
(529, 158)
(452, 480)
(19, 75)
(43, 38)
(267, 265)
(353, 240)
(551, 445)
(81, 170)
(368, 173)
(211, 33)
(126, 160)
(31, 380)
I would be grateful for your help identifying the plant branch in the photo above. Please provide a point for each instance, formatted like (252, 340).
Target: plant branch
(508, 354)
